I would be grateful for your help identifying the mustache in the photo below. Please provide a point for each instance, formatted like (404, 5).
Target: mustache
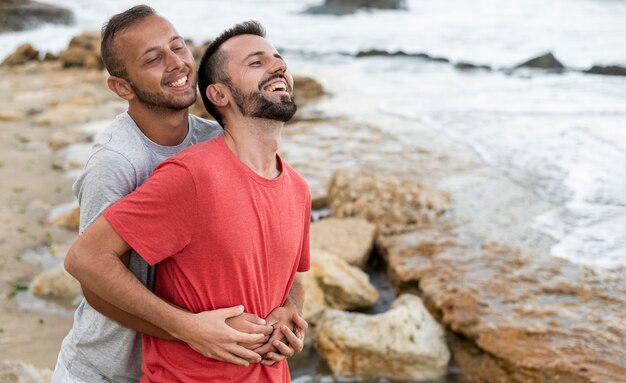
(272, 78)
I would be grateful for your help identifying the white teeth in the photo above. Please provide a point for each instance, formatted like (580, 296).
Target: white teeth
(277, 85)
(178, 83)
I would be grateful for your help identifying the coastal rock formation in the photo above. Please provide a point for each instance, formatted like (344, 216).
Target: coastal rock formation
(462, 65)
(19, 15)
(55, 283)
(345, 287)
(14, 371)
(350, 239)
(83, 51)
(516, 318)
(546, 61)
(345, 7)
(23, 54)
(403, 343)
(394, 205)
(611, 70)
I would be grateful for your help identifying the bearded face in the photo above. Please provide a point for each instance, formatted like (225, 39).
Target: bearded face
(256, 104)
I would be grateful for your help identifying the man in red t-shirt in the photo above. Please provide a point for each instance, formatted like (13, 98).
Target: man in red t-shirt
(227, 220)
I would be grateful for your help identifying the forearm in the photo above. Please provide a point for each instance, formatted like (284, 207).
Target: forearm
(296, 294)
(124, 318)
(94, 260)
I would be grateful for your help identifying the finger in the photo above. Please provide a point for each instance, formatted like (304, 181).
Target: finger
(229, 312)
(259, 329)
(228, 357)
(267, 347)
(300, 322)
(284, 349)
(253, 318)
(243, 353)
(268, 362)
(242, 337)
(274, 356)
(296, 343)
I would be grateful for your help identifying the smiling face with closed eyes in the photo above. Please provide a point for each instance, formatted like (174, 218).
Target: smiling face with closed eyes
(161, 71)
(258, 79)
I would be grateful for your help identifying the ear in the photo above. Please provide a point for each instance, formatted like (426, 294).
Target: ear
(218, 94)
(120, 87)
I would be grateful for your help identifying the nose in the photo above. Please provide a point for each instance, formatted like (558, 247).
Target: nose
(174, 61)
(279, 66)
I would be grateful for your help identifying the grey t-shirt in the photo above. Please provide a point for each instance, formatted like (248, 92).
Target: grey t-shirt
(98, 349)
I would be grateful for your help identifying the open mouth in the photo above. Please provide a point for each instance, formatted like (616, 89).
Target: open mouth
(178, 83)
(278, 86)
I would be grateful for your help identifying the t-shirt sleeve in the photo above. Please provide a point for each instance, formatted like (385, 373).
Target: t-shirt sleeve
(305, 263)
(108, 177)
(157, 220)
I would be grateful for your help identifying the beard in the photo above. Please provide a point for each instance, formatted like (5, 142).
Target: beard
(255, 104)
(159, 101)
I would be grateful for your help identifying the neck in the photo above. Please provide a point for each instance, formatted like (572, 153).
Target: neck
(255, 142)
(162, 126)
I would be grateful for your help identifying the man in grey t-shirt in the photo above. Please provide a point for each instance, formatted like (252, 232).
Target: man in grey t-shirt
(152, 69)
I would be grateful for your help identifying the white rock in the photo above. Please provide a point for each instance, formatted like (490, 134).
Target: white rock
(403, 343)
(345, 287)
(55, 283)
(350, 239)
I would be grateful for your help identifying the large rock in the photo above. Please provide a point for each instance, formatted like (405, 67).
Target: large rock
(350, 239)
(517, 318)
(19, 15)
(314, 302)
(55, 283)
(306, 89)
(546, 61)
(403, 343)
(394, 205)
(344, 7)
(23, 54)
(83, 51)
(15, 371)
(345, 287)
(611, 70)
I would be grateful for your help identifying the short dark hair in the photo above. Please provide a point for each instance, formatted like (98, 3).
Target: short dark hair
(118, 23)
(212, 66)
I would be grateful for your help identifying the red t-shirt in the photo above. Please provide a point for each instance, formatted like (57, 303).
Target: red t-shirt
(222, 236)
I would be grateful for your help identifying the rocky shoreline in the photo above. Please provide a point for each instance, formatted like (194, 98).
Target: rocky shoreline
(499, 313)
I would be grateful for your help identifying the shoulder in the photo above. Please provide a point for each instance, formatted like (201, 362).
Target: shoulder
(296, 179)
(203, 129)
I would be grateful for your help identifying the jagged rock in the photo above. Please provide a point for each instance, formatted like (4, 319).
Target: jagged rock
(345, 287)
(70, 220)
(403, 343)
(314, 303)
(19, 15)
(83, 51)
(350, 239)
(23, 54)
(345, 7)
(55, 283)
(546, 61)
(15, 371)
(466, 66)
(611, 70)
(394, 205)
(306, 89)
(518, 318)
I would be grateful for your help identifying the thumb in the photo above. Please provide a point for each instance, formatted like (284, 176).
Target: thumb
(230, 312)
